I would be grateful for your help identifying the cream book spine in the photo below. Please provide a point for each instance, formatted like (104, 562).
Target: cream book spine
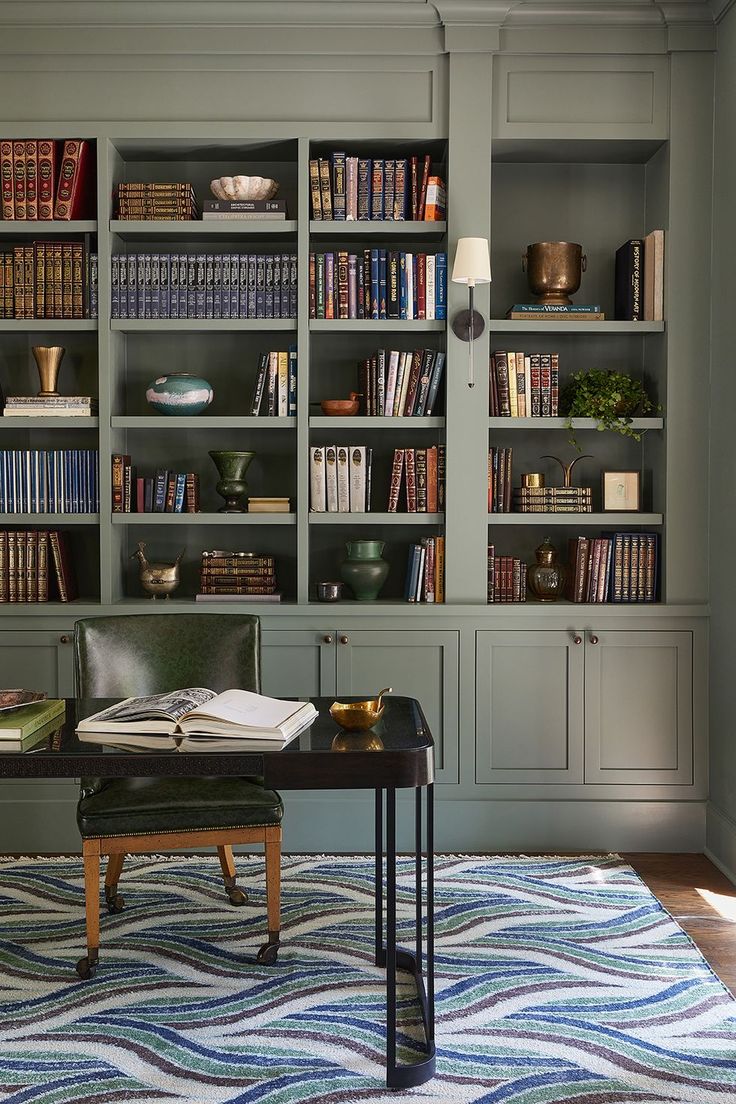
(343, 480)
(331, 478)
(357, 478)
(317, 479)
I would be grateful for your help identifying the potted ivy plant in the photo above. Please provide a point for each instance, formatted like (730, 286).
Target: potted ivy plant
(612, 398)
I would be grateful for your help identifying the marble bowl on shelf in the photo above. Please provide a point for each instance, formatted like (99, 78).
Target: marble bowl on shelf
(244, 187)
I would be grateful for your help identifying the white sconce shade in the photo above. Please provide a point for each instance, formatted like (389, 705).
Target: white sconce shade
(472, 262)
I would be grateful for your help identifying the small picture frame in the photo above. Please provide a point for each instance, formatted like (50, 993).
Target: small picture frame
(621, 491)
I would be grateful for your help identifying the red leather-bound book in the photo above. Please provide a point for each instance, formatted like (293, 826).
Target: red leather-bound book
(31, 179)
(6, 178)
(76, 176)
(46, 178)
(19, 179)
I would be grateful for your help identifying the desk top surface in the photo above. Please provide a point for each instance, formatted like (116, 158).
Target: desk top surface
(397, 752)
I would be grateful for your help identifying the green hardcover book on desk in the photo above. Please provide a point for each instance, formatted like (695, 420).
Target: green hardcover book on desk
(20, 723)
(39, 737)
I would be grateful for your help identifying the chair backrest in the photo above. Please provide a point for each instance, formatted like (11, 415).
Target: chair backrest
(146, 653)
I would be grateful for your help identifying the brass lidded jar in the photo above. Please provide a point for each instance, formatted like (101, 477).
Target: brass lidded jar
(546, 577)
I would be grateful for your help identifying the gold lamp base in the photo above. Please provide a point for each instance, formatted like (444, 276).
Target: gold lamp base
(48, 360)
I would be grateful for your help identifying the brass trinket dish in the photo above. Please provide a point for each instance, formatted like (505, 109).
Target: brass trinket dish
(361, 715)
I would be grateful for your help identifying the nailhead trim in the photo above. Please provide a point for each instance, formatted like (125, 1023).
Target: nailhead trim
(175, 831)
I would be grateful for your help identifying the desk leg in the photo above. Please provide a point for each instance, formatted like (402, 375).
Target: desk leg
(393, 957)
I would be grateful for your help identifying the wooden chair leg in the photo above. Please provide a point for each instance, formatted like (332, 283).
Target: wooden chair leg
(269, 951)
(113, 899)
(91, 852)
(236, 896)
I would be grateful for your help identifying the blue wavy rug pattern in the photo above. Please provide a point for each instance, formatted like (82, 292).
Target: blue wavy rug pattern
(558, 980)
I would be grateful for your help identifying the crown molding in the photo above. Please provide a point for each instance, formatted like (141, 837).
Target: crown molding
(721, 8)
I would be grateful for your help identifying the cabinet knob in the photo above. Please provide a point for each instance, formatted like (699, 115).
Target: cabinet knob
(593, 639)
(327, 639)
(577, 639)
(344, 639)
(65, 639)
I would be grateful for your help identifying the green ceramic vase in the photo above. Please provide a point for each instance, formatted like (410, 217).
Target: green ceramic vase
(364, 570)
(232, 467)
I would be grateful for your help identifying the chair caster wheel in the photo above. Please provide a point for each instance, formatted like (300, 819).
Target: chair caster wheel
(236, 896)
(115, 905)
(268, 954)
(85, 968)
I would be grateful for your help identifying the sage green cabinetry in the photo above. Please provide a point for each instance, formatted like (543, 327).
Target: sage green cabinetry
(303, 659)
(38, 660)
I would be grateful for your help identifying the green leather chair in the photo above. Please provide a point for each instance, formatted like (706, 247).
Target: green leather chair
(118, 657)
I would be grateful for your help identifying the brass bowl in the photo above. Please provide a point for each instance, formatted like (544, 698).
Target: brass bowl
(358, 716)
(357, 741)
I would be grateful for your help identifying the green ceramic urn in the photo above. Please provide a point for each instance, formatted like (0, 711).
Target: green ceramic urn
(364, 570)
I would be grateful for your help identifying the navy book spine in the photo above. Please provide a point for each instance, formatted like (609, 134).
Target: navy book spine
(132, 286)
(440, 276)
(234, 285)
(375, 284)
(217, 286)
(285, 285)
(192, 264)
(382, 281)
(276, 280)
(115, 287)
(143, 300)
(164, 277)
(209, 307)
(200, 289)
(155, 286)
(252, 285)
(293, 265)
(244, 277)
(268, 286)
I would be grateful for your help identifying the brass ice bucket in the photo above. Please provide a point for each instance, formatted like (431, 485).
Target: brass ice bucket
(554, 270)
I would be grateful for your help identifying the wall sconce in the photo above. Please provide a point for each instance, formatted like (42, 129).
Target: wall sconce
(472, 266)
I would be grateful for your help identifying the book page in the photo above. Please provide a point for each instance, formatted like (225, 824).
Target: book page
(243, 708)
(170, 706)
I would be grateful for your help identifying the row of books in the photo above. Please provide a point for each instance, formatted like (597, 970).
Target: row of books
(48, 280)
(146, 202)
(238, 575)
(340, 478)
(524, 385)
(618, 567)
(49, 406)
(274, 390)
(379, 283)
(420, 472)
(639, 279)
(347, 188)
(167, 492)
(49, 481)
(499, 480)
(204, 285)
(400, 384)
(36, 566)
(425, 571)
(33, 724)
(506, 578)
(44, 179)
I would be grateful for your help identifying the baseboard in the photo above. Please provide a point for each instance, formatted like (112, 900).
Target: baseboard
(720, 841)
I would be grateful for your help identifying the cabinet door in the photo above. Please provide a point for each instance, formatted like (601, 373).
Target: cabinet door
(639, 708)
(298, 662)
(529, 707)
(421, 665)
(38, 660)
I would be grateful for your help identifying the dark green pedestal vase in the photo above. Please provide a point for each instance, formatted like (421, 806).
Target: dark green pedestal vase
(364, 570)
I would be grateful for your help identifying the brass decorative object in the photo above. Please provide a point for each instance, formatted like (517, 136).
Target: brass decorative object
(554, 270)
(157, 578)
(567, 468)
(48, 360)
(532, 479)
(546, 577)
(360, 741)
(361, 715)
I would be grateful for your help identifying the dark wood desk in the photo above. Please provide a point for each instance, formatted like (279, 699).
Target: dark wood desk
(397, 754)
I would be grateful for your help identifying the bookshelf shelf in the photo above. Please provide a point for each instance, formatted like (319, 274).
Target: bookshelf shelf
(203, 519)
(373, 517)
(49, 423)
(47, 325)
(365, 422)
(376, 228)
(47, 521)
(201, 421)
(375, 325)
(629, 520)
(202, 325)
(556, 325)
(41, 228)
(561, 423)
(223, 230)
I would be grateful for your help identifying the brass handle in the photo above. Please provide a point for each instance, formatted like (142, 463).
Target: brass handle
(65, 639)
(327, 639)
(344, 639)
(577, 639)
(593, 639)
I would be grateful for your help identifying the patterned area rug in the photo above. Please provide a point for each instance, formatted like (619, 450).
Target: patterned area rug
(558, 980)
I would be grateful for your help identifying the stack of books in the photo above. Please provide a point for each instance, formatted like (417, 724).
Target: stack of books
(572, 312)
(619, 567)
(397, 384)
(237, 576)
(345, 188)
(166, 492)
(421, 473)
(49, 406)
(151, 202)
(506, 578)
(265, 505)
(49, 481)
(378, 283)
(523, 385)
(499, 480)
(48, 280)
(425, 571)
(26, 727)
(274, 390)
(340, 478)
(244, 210)
(203, 285)
(25, 575)
(639, 276)
(44, 179)
(553, 500)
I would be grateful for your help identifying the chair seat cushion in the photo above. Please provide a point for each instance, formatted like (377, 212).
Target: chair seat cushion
(142, 806)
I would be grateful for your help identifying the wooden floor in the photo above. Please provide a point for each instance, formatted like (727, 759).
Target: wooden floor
(701, 899)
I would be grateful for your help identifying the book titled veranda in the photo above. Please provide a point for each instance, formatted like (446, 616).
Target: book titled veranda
(194, 717)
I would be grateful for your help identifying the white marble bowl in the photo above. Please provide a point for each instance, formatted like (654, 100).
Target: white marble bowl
(244, 187)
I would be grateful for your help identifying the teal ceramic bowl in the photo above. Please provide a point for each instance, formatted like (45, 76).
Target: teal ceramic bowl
(179, 394)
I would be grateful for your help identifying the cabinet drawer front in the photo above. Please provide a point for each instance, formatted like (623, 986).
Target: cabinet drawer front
(639, 708)
(38, 660)
(297, 662)
(421, 665)
(529, 707)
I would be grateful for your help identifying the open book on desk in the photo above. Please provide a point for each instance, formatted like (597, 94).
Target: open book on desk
(198, 719)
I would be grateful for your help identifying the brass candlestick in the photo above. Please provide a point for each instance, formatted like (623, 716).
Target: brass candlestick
(48, 360)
